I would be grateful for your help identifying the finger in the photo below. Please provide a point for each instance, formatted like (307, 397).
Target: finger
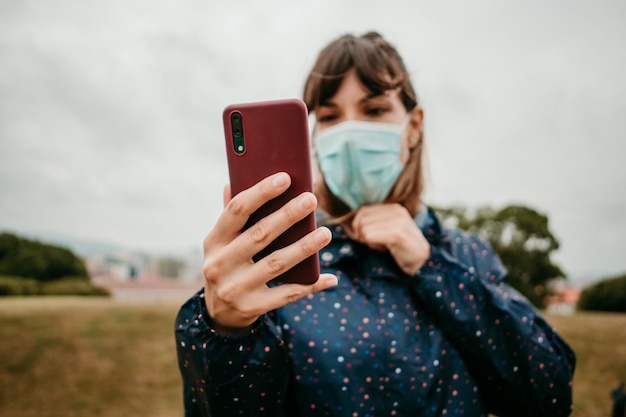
(284, 294)
(356, 224)
(361, 221)
(382, 215)
(266, 230)
(226, 195)
(376, 238)
(379, 212)
(240, 207)
(366, 215)
(280, 261)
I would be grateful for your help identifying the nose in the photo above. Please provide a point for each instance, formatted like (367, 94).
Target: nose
(350, 115)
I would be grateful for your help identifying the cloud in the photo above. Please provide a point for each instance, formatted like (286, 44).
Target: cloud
(110, 113)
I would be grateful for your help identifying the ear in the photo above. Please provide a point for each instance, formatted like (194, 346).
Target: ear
(416, 120)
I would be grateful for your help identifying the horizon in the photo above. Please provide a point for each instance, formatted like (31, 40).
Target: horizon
(111, 129)
(88, 248)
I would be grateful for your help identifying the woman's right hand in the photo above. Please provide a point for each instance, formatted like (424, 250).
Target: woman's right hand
(235, 287)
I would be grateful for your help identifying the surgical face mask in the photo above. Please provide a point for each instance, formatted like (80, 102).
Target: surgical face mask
(360, 160)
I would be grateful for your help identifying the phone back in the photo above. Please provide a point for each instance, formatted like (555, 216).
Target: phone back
(262, 139)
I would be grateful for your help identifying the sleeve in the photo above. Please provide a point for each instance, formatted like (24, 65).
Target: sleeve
(243, 375)
(522, 366)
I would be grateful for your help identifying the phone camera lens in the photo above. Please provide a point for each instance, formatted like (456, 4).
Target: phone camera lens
(236, 121)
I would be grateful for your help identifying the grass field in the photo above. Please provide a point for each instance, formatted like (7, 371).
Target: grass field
(114, 358)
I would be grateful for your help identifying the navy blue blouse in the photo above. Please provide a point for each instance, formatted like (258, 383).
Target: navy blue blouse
(454, 339)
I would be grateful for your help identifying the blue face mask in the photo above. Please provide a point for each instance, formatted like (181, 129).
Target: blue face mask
(360, 160)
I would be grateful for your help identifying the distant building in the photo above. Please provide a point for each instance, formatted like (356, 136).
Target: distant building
(120, 267)
(563, 298)
(137, 275)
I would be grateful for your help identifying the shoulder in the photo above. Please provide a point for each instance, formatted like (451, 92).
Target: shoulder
(476, 253)
(466, 243)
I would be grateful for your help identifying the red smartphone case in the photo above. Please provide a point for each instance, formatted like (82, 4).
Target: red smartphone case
(275, 138)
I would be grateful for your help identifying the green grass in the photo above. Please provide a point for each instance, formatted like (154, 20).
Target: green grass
(599, 340)
(110, 358)
(88, 357)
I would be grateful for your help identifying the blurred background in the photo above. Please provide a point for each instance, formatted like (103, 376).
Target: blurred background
(110, 112)
(111, 140)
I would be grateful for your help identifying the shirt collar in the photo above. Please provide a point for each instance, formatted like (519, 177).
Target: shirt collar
(342, 247)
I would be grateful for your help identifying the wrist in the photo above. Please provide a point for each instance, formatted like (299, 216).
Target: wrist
(226, 330)
(422, 257)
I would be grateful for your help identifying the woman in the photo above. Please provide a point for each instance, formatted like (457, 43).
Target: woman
(407, 318)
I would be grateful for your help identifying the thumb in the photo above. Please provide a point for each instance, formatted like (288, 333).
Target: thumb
(226, 195)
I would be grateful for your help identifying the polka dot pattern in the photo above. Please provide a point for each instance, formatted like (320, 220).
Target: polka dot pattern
(451, 340)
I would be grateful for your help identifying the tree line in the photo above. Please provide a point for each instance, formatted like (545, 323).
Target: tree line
(524, 242)
(522, 239)
(41, 261)
(30, 267)
(520, 235)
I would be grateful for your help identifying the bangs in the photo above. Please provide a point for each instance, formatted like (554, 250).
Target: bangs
(377, 65)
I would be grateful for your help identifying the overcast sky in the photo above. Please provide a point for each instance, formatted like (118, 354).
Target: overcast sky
(110, 112)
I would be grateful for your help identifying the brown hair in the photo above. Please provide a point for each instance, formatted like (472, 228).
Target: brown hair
(379, 68)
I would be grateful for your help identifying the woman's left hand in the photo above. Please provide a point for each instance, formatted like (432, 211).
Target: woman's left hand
(391, 227)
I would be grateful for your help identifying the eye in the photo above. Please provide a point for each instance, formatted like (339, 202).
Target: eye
(376, 111)
(325, 118)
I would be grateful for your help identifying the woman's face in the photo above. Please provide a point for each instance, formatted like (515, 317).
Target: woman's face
(354, 102)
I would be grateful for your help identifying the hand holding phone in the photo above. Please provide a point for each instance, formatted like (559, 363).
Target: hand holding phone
(273, 212)
(262, 139)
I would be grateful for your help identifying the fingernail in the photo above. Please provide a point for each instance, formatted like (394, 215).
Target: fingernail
(306, 201)
(336, 280)
(280, 180)
(331, 280)
(321, 235)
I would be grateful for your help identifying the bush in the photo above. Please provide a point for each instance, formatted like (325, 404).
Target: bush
(18, 286)
(606, 295)
(41, 261)
(72, 286)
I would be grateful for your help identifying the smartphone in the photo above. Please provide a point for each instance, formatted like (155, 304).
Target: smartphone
(264, 138)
